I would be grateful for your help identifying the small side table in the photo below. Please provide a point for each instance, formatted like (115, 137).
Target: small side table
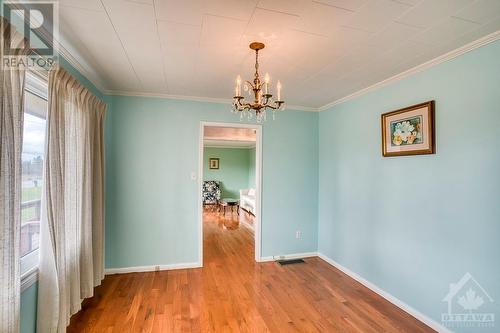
(229, 202)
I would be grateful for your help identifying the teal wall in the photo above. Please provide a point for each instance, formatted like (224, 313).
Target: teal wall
(28, 309)
(251, 167)
(233, 172)
(412, 225)
(152, 204)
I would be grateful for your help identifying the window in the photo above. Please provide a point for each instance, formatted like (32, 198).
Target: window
(33, 154)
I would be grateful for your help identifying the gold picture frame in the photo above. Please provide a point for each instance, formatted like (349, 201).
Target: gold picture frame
(213, 163)
(409, 131)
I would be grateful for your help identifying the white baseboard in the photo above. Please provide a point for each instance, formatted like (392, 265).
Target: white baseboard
(151, 268)
(400, 304)
(289, 256)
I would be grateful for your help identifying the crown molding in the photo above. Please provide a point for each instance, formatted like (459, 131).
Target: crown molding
(419, 68)
(167, 96)
(92, 77)
(193, 98)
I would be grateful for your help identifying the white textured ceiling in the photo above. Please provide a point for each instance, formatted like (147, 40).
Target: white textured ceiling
(321, 50)
(229, 133)
(215, 136)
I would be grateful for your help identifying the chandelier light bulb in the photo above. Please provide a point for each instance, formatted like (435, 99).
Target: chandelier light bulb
(266, 85)
(238, 85)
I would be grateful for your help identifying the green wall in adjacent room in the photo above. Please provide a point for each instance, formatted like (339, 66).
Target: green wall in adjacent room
(412, 225)
(234, 169)
(251, 167)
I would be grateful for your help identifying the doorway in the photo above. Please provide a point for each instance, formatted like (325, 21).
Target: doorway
(226, 198)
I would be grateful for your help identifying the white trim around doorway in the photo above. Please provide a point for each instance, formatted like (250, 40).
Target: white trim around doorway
(258, 185)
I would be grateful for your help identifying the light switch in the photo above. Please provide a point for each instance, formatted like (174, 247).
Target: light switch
(193, 175)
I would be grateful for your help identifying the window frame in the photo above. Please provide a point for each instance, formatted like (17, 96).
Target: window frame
(36, 83)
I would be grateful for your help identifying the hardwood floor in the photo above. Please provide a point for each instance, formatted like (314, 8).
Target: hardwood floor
(232, 293)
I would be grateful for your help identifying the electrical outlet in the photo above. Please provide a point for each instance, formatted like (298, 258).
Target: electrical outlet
(298, 234)
(157, 268)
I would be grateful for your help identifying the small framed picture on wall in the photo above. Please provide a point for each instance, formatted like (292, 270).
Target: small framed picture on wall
(409, 131)
(213, 163)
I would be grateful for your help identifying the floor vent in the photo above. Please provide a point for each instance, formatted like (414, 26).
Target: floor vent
(291, 261)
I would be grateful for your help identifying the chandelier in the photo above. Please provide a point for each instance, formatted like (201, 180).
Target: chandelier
(262, 97)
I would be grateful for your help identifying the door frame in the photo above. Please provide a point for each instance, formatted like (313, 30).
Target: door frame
(258, 183)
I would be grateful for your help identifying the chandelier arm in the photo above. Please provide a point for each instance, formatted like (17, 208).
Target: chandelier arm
(268, 98)
(246, 105)
(250, 83)
(265, 101)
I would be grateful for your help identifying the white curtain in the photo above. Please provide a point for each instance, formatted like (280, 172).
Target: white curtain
(72, 229)
(11, 138)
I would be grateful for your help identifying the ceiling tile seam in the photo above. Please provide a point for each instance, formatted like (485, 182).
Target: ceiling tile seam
(277, 11)
(443, 19)
(354, 28)
(410, 25)
(387, 24)
(165, 76)
(437, 24)
(198, 47)
(248, 22)
(121, 43)
(314, 75)
(309, 33)
(178, 22)
(404, 4)
(410, 8)
(333, 6)
(464, 19)
(138, 2)
(80, 8)
(224, 17)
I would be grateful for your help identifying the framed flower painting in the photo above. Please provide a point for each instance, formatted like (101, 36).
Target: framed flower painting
(409, 131)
